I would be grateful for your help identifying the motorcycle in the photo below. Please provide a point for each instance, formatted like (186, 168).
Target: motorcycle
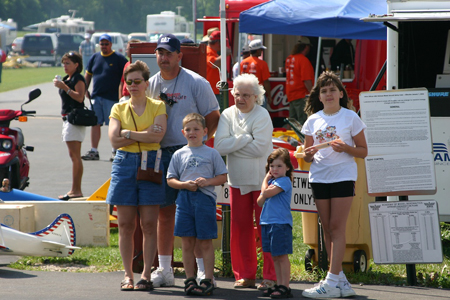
(14, 164)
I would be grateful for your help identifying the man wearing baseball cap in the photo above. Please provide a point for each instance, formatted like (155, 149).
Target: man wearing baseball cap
(86, 49)
(258, 67)
(237, 66)
(299, 79)
(213, 59)
(106, 68)
(184, 92)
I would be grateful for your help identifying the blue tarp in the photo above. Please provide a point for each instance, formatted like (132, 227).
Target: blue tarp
(321, 18)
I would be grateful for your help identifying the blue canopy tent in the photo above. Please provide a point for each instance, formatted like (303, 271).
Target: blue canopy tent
(327, 18)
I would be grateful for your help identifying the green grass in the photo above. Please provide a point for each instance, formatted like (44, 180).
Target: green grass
(18, 78)
(107, 259)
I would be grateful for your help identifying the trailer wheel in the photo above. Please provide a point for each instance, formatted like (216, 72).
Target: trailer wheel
(359, 261)
(308, 260)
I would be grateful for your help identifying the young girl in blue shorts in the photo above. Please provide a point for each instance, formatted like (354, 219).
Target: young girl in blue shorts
(276, 219)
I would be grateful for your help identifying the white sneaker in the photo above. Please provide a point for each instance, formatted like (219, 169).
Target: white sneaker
(346, 289)
(161, 277)
(322, 290)
(201, 275)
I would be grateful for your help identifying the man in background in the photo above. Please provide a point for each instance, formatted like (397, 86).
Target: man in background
(87, 49)
(258, 67)
(237, 66)
(343, 54)
(213, 63)
(106, 69)
(299, 79)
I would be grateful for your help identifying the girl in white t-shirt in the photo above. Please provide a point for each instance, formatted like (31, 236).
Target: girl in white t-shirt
(333, 172)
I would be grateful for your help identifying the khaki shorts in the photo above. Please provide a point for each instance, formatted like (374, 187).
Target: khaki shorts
(72, 132)
(297, 110)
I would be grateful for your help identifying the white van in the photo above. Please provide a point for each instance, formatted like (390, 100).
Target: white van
(119, 41)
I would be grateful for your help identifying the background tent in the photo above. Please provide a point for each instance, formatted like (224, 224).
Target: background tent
(327, 18)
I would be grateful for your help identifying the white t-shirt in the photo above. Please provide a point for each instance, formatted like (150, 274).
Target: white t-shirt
(329, 166)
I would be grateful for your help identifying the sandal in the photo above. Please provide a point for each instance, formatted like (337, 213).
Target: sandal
(269, 291)
(283, 292)
(244, 283)
(143, 285)
(205, 288)
(190, 285)
(124, 285)
(266, 284)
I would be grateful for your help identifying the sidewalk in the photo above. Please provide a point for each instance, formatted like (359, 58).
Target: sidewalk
(40, 285)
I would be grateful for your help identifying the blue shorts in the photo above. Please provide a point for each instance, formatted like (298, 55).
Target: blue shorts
(277, 239)
(195, 215)
(102, 108)
(171, 194)
(124, 189)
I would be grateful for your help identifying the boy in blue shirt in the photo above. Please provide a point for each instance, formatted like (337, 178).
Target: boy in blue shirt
(195, 169)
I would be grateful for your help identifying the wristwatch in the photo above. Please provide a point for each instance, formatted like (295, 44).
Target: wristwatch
(127, 136)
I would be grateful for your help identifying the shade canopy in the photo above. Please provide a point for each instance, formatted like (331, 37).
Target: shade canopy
(325, 18)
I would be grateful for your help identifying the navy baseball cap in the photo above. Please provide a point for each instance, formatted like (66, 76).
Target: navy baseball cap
(105, 37)
(168, 42)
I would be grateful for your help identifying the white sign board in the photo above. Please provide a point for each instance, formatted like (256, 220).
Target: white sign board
(405, 232)
(301, 200)
(400, 158)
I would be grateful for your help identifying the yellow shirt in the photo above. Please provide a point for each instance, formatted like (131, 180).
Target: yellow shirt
(121, 112)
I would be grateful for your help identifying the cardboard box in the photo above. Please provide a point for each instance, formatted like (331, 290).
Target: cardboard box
(91, 218)
(20, 217)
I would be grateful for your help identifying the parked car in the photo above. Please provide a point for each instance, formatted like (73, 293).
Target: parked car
(41, 47)
(68, 42)
(16, 45)
(142, 36)
(119, 41)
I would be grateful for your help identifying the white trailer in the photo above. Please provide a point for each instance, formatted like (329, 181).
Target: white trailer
(9, 29)
(64, 24)
(167, 22)
(418, 55)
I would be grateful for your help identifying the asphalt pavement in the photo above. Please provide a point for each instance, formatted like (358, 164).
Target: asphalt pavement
(50, 175)
(50, 165)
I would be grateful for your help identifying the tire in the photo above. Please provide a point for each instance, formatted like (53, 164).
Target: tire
(359, 261)
(309, 260)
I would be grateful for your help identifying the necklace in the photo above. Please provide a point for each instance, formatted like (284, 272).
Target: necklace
(174, 86)
(335, 113)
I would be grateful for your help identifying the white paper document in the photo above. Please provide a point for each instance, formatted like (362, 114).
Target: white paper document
(405, 232)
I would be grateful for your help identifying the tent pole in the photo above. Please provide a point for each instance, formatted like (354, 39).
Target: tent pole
(319, 48)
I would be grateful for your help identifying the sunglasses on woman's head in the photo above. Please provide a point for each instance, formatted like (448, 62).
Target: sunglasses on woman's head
(165, 98)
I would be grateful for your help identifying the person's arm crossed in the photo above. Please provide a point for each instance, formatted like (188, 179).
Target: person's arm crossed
(267, 191)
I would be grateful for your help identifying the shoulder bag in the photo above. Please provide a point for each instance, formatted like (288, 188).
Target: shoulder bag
(82, 116)
(148, 174)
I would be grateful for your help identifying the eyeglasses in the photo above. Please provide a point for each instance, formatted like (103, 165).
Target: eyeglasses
(136, 81)
(243, 96)
(165, 98)
(104, 44)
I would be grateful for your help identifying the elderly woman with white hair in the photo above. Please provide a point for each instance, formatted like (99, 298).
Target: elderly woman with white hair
(244, 135)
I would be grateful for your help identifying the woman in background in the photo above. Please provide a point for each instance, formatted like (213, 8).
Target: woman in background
(72, 90)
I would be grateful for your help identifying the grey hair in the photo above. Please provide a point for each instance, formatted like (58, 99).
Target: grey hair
(252, 80)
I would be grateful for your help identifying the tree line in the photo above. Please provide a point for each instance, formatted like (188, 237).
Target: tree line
(114, 15)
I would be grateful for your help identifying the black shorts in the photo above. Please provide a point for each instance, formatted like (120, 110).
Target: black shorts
(333, 190)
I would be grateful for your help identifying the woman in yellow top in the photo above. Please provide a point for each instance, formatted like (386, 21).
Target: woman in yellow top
(136, 127)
